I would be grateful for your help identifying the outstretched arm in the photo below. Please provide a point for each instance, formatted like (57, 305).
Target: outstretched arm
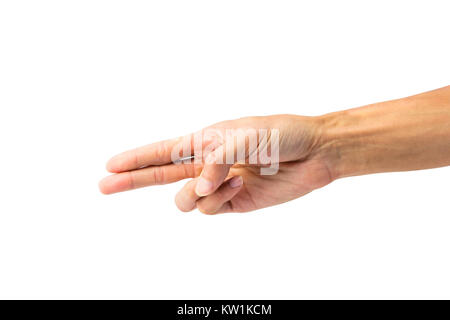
(411, 133)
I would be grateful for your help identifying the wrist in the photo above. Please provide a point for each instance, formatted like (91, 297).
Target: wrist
(342, 144)
(398, 135)
(411, 133)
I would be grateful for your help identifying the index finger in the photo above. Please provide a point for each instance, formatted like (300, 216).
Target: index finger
(158, 153)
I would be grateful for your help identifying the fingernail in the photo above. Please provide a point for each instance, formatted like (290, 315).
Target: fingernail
(204, 187)
(236, 182)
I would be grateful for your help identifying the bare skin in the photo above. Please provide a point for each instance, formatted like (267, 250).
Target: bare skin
(412, 133)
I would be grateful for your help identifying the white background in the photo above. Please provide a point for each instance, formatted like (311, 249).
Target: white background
(83, 80)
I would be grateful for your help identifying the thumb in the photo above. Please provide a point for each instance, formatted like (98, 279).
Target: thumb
(214, 172)
(218, 163)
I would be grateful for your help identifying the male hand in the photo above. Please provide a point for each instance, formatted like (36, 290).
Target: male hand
(219, 186)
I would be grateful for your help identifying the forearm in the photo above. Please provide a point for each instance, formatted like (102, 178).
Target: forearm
(406, 134)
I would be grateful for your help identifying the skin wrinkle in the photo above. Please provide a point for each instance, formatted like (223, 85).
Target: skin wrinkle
(136, 160)
(131, 179)
(158, 175)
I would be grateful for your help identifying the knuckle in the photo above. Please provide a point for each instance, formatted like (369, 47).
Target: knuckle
(182, 204)
(136, 158)
(131, 180)
(185, 199)
(188, 171)
(182, 207)
(162, 150)
(204, 208)
(158, 175)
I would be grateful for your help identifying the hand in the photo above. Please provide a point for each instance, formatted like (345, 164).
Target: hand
(219, 186)
(307, 152)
